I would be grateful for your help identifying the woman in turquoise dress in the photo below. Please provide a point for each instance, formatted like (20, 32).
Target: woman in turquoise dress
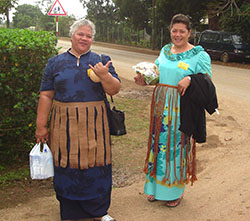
(170, 161)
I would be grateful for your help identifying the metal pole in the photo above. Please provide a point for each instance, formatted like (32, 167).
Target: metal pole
(56, 25)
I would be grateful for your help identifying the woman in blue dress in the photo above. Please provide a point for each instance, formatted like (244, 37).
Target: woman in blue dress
(170, 162)
(79, 135)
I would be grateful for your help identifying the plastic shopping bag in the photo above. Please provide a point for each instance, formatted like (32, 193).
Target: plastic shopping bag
(41, 162)
(149, 71)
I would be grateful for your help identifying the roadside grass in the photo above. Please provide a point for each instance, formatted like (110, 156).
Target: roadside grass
(128, 151)
(9, 176)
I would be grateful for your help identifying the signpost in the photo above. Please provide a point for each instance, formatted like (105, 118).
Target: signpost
(57, 10)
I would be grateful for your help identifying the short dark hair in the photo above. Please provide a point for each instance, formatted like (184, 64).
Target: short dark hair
(180, 18)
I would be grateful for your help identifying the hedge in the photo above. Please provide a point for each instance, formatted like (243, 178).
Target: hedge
(23, 57)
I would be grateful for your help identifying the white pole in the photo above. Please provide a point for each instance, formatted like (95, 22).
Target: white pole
(56, 25)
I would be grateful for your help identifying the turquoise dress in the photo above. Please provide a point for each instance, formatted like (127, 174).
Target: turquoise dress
(168, 163)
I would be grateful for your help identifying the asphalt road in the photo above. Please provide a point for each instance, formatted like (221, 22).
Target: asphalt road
(229, 81)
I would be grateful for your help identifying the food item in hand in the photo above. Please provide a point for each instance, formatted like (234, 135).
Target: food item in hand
(149, 71)
(93, 76)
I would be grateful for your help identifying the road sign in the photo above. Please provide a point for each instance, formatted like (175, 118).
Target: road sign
(57, 10)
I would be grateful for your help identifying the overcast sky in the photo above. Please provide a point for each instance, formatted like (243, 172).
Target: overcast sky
(71, 7)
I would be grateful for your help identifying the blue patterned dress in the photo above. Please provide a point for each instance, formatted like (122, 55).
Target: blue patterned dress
(167, 165)
(67, 76)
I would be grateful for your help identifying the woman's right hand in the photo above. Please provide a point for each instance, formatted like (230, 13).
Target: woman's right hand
(183, 85)
(42, 135)
(139, 79)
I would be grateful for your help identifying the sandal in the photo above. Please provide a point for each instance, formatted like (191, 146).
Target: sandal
(151, 198)
(105, 218)
(174, 203)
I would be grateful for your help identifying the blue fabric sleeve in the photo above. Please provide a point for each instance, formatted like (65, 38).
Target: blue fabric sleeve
(47, 83)
(204, 64)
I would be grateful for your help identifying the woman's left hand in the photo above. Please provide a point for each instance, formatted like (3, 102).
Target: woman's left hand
(183, 85)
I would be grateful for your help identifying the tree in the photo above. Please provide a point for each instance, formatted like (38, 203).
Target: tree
(64, 25)
(237, 20)
(136, 12)
(103, 14)
(139, 14)
(45, 5)
(5, 6)
(166, 9)
(100, 11)
(47, 23)
(26, 16)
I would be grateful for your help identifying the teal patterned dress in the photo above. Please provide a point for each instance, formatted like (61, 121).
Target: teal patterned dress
(170, 159)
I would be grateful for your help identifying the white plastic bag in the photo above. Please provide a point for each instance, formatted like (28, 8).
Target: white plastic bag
(41, 162)
(149, 71)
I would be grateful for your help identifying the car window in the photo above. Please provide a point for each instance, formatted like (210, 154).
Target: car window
(227, 38)
(237, 39)
(209, 37)
(204, 37)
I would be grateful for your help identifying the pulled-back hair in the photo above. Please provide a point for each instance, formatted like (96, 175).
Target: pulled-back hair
(77, 24)
(180, 18)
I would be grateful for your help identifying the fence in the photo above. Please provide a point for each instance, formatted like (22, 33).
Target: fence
(129, 36)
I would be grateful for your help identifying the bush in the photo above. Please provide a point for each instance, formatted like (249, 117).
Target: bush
(23, 56)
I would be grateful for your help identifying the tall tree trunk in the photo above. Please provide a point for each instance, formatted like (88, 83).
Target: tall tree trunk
(153, 25)
(213, 23)
(8, 18)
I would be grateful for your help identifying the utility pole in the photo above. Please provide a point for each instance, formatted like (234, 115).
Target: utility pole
(153, 25)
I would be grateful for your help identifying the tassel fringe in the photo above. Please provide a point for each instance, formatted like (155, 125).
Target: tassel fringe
(85, 125)
(187, 162)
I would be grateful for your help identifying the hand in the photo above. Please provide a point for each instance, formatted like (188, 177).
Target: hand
(101, 70)
(139, 79)
(183, 85)
(42, 135)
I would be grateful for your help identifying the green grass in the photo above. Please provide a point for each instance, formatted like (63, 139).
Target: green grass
(8, 177)
(129, 151)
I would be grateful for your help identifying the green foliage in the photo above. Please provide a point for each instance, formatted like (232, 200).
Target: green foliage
(26, 16)
(5, 6)
(23, 56)
(101, 11)
(14, 175)
(47, 23)
(239, 23)
(64, 23)
(136, 12)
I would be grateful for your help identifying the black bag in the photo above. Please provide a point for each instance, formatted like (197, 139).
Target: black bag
(116, 120)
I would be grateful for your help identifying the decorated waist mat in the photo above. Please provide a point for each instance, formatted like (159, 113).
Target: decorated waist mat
(165, 97)
(79, 134)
